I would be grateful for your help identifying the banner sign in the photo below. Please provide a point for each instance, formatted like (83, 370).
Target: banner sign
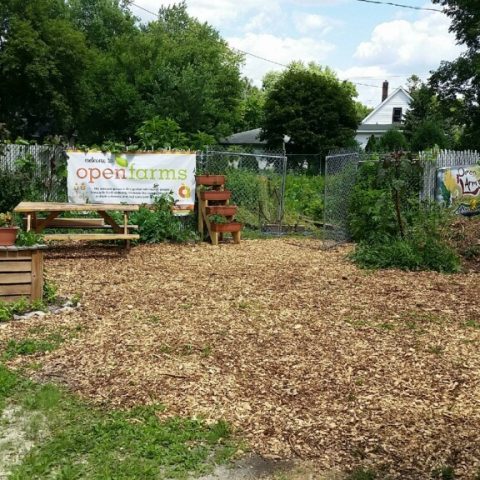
(134, 178)
(459, 187)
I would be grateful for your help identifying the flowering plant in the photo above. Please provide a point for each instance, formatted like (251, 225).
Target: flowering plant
(6, 219)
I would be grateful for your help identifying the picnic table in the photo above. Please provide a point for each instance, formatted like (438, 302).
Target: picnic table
(42, 215)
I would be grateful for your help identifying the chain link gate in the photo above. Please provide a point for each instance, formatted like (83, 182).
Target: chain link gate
(340, 176)
(257, 183)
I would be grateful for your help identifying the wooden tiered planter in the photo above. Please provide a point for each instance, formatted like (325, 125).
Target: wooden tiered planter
(21, 273)
(215, 201)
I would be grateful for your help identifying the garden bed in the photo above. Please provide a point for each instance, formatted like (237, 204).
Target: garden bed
(306, 355)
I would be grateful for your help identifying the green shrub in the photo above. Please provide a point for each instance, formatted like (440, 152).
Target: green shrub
(424, 246)
(394, 228)
(28, 239)
(407, 254)
(304, 197)
(158, 224)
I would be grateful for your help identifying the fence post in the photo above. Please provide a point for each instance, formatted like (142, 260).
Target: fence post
(281, 204)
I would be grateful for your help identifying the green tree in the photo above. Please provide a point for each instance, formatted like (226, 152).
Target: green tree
(251, 107)
(362, 111)
(42, 59)
(425, 123)
(457, 83)
(372, 144)
(312, 107)
(393, 140)
(186, 71)
(102, 21)
(160, 133)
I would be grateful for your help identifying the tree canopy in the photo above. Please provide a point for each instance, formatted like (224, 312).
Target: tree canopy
(87, 67)
(457, 83)
(312, 107)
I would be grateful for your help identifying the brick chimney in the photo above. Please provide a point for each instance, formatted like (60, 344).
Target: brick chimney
(385, 90)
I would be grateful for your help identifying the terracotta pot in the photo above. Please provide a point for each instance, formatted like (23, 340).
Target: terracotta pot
(210, 180)
(215, 195)
(226, 227)
(225, 210)
(8, 236)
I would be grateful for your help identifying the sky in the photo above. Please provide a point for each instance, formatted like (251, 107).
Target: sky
(364, 43)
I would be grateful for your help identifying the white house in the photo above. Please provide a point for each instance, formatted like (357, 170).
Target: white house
(389, 114)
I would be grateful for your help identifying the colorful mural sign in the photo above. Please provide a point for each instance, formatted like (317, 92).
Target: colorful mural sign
(459, 187)
(134, 178)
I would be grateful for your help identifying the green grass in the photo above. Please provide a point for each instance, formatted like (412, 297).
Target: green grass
(29, 346)
(78, 441)
(362, 474)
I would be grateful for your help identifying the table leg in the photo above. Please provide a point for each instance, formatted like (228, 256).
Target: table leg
(115, 226)
(29, 222)
(42, 224)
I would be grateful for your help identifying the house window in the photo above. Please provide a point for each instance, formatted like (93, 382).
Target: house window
(397, 115)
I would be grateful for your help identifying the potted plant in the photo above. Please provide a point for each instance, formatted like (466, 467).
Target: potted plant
(8, 231)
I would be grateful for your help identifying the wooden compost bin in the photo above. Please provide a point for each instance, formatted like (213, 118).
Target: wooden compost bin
(21, 273)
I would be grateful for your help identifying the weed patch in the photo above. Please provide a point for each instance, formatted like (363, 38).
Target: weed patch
(85, 442)
(29, 346)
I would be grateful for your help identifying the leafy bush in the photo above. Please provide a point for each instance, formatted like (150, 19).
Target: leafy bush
(385, 197)
(393, 140)
(394, 229)
(407, 254)
(158, 224)
(28, 239)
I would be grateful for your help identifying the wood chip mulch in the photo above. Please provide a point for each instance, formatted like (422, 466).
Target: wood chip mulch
(306, 355)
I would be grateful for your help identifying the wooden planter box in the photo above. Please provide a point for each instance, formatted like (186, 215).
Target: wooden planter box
(21, 273)
(226, 227)
(225, 210)
(210, 180)
(215, 195)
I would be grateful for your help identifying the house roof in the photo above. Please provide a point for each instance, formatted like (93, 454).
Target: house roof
(249, 137)
(377, 127)
(378, 107)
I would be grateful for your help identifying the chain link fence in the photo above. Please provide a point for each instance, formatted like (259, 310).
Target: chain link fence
(39, 173)
(257, 183)
(341, 173)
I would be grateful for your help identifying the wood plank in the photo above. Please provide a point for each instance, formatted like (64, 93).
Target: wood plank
(20, 255)
(24, 289)
(30, 207)
(75, 222)
(15, 277)
(13, 298)
(91, 236)
(37, 276)
(14, 266)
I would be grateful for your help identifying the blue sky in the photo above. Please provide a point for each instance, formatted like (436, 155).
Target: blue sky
(364, 43)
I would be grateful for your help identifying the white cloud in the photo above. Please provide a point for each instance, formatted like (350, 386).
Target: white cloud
(279, 49)
(412, 45)
(312, 23)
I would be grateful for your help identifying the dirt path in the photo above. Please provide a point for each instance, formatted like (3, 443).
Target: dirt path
(309, 357)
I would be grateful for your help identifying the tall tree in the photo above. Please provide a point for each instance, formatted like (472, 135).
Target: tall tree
(42, 58)
(313, 108)
(426, 124)
(460, 79)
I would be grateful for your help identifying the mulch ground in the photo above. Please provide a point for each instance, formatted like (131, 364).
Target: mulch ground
(306, 355)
